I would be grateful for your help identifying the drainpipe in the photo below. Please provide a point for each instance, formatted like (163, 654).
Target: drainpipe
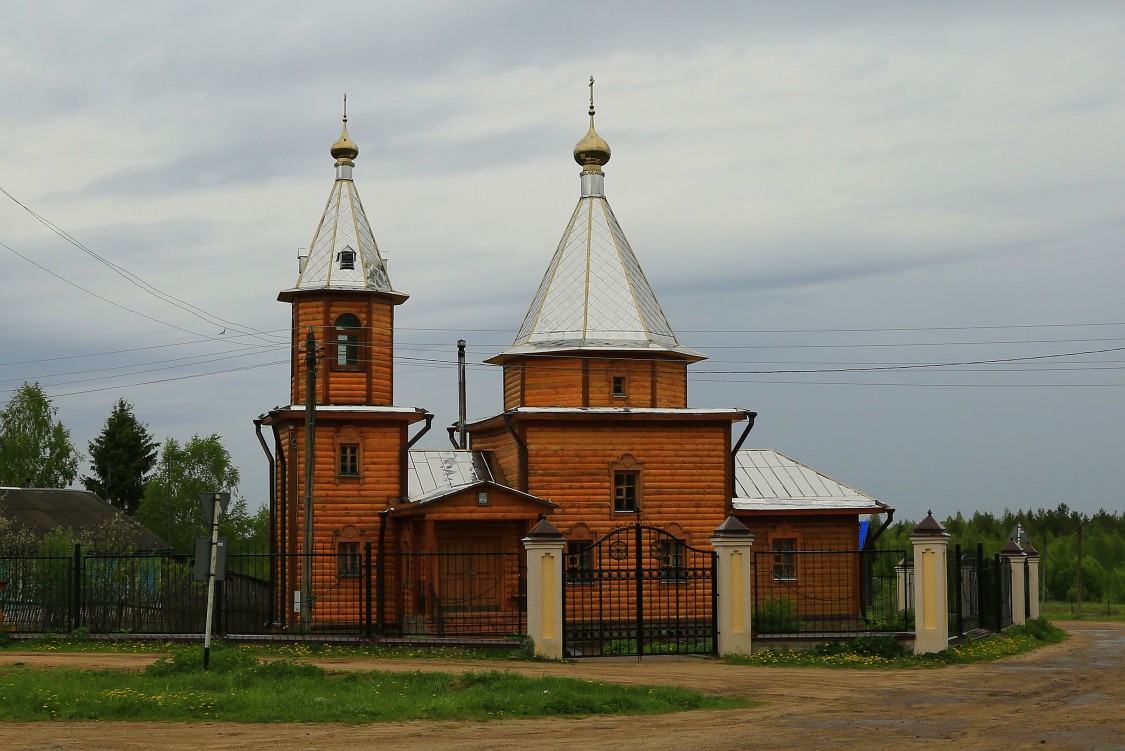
(380, 569)
(404, 491)
(452, 429)
(522, 450)
(750, 418)
(273, 477)
(869, 544)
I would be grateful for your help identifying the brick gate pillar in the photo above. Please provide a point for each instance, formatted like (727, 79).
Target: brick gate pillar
(545, 550)
(732, 542)
(931, 596)
(1032, 579)
(1015, 555)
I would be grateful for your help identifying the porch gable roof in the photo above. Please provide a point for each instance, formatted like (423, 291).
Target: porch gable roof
(768, 481)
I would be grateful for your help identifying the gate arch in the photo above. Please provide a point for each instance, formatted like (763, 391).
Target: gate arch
(639, 590)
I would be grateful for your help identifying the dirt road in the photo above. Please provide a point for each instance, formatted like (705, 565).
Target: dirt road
(1068, 696)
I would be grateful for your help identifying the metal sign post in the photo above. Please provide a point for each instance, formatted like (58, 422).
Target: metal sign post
(214, 505)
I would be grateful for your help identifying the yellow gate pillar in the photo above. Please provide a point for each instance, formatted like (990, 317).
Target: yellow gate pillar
(1015, 555)
(545, 550)
(931, 598)
(732, 542)
(1032, 579)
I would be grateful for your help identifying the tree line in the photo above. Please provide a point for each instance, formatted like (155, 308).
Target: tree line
(154, 484)
(1081, 557)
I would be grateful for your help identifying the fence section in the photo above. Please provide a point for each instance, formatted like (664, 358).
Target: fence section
(638, 590)
(979, 591)
(425, 595)
(828, 592)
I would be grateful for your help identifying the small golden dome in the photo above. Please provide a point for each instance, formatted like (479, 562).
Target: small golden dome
(592, 152)
(344, 150)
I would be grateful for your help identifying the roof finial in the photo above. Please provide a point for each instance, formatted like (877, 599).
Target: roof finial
(592, 152)
(344, 151)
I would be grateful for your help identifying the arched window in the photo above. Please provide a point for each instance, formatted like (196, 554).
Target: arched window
(347, 340)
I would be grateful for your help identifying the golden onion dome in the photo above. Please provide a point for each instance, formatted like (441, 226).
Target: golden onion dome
(592, 152)
(344, 150)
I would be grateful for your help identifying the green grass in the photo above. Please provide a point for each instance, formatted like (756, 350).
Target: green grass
(79, 642)
(1093, 611)
(887, 652)
(239, 688)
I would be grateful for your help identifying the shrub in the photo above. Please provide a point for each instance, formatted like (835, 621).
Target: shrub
(776, 616)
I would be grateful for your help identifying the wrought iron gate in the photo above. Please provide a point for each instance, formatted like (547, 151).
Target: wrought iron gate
(638, 590)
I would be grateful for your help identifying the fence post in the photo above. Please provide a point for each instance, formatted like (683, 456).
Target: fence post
(544, 545)
(958, 592)
(904, 574)
(75, 619)
(931, 599)
(1032, 580)
(732, 542)
(367, 589)
(1015, 555)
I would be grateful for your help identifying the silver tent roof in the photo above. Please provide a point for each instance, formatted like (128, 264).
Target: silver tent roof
(343, 253)
(768, 481)
(594, 295)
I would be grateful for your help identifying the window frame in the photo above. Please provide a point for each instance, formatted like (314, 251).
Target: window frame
(347, 458)
(626, 491)
(618, 386)
(672, 560)
(580, 562)
(783, 567)
(347, 342)
(349, 559)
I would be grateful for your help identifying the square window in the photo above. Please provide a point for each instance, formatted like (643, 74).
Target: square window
(349, 460)
(784, 558)
(579, 562)
(347, 559)
(625, 496)
(672, 555)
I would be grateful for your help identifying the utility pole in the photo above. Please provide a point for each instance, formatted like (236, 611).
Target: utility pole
(310, 456)
(1079, 582)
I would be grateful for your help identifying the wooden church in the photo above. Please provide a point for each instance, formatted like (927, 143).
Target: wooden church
(595, 434)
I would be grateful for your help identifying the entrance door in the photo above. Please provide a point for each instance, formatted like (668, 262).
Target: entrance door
(470, 574)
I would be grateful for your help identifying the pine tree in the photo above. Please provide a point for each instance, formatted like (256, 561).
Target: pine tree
(121, 458)
(35, 447)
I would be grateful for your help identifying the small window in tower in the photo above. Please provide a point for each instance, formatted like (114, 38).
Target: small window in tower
(346, 258)
(347, 340)
(349, 460)
(619, 385)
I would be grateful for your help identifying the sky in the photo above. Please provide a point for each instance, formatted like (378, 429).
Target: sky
(896, 229)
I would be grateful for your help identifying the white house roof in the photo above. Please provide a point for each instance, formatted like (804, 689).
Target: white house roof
(768, 481)
(343, 253)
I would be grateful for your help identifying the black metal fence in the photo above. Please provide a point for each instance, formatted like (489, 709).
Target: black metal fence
(828, 593)
(638, 590)
(409, 595)
(980, 591)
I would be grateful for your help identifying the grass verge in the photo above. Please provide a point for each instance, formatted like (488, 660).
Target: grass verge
(887, 652)
(239, 688)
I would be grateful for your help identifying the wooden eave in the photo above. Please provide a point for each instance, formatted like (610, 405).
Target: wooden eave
(497, 422)
(335, 414)
(290, 295)
(506, 498)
